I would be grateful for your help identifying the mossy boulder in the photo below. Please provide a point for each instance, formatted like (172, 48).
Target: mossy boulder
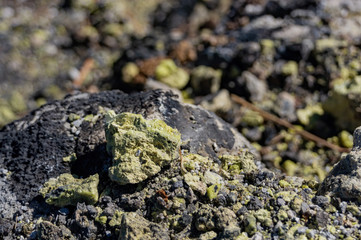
(140, 148)
(66, 190)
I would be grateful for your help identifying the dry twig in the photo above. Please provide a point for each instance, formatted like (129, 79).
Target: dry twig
(84, 71)
(282, 122)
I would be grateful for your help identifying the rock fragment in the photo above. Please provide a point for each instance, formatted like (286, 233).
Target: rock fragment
(140, 148)
(67, 190)
(344, 179)
(134, 226)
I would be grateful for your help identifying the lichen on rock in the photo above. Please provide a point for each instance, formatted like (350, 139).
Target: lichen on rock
(140, 148)
(244, 162)
(66, 190)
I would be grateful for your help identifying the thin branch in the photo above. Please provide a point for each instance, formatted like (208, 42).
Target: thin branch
(282, 122)
(84, 72)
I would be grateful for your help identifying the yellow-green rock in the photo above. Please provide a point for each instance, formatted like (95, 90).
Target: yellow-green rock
(71, 158)
(306, 114)
(290, 68)
(213, 191)
(264, 217)
(17, 102)
(117, 219)
(286, 195)
(282, 215)
(329, 43)
(250, 225)
(140, 148)
(167, 72)
(290, 167)
(129, 71)
(252, 118)
(244, 162)
(342, 102)
(205, 80)
(66, 190)
(195, 182)
(346, 139)
(268, 46)
(196, 162)
(296, 204)
(284, 184)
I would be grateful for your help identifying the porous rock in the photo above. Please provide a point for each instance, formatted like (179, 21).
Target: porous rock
(344, 179)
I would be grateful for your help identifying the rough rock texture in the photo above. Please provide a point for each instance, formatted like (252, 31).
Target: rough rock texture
(67, 190)
(140, 148)
(344, 179)
(134, 226)
(32, 149)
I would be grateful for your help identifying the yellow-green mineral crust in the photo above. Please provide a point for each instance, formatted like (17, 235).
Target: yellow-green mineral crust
(140, 148)
(66, 190)
(241, 163)
(167, 72)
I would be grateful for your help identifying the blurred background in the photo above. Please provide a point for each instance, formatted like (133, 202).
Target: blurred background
(299, 60)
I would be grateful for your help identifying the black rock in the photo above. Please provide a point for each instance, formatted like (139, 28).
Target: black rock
(255, 204)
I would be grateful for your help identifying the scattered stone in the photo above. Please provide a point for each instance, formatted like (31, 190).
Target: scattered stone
(134, 226)
(205, 80)
(66, 190)
(167, 72)
(47, 230)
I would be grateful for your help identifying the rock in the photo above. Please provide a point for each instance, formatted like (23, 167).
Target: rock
(307, 115)
(194, 181)
(205, 80)
(286, 106)
(47, 230)
(219, 103)
(250, 224)
(204, 219)
(167, 72)
(343, 101)
(140, 148)
(256, 88)
(67, 190)
(213, 191)
(321, 218)
(241, 163)
(344, 179)
(292, 33)
(134, 226)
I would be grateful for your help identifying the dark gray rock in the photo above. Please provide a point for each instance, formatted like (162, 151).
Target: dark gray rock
(344, 179)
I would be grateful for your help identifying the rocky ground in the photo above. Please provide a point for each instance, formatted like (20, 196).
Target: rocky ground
(298, 60)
